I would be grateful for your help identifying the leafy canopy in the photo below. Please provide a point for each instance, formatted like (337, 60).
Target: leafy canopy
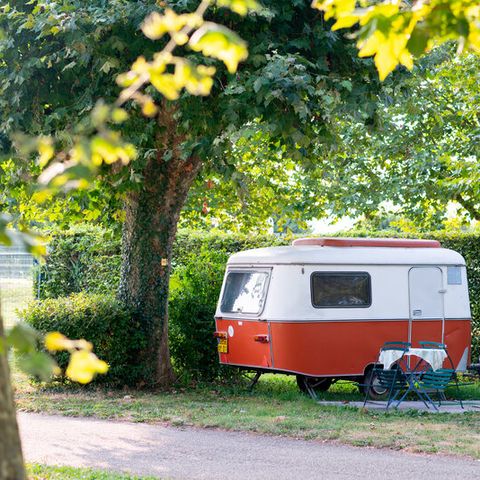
(297, 75)
(418, 158)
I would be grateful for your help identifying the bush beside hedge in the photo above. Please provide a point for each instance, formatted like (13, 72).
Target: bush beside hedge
(100, 319)
(194, 291)
(88, 259)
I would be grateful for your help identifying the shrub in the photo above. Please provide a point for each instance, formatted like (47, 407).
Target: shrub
(88, 259)
(100, 319)
(194, 290)
(199, 265)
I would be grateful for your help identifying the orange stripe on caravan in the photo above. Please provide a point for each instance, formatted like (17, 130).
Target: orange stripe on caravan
(330, 349)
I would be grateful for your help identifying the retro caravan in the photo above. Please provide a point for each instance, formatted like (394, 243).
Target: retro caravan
(322, 307)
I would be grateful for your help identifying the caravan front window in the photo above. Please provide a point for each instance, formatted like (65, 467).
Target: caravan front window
(244, 292)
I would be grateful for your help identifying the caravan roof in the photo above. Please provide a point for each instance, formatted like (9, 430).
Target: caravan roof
(308, 254)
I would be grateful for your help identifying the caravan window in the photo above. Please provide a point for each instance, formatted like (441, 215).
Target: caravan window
(244, 292)
(341, 289)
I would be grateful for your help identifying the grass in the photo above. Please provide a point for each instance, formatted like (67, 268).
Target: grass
(43, 472)
(275, 408)
(15, 293)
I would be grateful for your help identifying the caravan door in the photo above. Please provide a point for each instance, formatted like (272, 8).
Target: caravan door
(426, 299)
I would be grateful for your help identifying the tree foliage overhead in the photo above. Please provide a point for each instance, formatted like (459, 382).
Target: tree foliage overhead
(418, 155)
(64, 45)
(298, 74)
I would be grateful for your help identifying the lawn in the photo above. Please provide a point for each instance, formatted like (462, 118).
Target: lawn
(15, 293)
(42, 472)
(275, 407)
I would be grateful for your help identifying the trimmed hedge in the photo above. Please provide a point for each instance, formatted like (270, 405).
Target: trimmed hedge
(100, 319)
(88, 258)
(82, 259)
(198, 265)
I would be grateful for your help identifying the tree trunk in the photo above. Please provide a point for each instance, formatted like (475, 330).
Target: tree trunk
(149, 230)
(11, 458)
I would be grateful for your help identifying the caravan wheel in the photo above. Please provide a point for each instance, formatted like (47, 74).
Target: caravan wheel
(318, 384)
(375, 392)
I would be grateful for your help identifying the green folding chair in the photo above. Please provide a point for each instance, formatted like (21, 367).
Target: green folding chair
(391, 380)
(437, 381)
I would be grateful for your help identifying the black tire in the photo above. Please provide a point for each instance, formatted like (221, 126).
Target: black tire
(375, 392)
(318, 384)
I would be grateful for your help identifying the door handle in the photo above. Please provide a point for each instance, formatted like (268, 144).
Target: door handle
(261, 338)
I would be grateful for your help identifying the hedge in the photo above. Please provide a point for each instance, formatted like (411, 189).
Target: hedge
(85, 258)
(74, 264)
(193, 297)
(100, 319)
(88, 258)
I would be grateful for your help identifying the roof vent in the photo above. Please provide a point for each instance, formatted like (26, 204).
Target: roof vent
(367, 242)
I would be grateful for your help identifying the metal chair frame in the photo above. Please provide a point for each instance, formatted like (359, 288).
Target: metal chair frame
(438, 377)
(420, 379)
(392, 379)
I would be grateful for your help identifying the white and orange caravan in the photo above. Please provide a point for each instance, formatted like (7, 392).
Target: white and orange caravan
(322, 308)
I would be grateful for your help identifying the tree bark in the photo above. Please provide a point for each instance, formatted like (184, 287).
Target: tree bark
(149, 230)
(11, 458)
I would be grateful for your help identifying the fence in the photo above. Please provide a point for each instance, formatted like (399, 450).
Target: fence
(16, 282)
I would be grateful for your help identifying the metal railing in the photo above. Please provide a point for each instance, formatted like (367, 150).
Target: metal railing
(16, 282)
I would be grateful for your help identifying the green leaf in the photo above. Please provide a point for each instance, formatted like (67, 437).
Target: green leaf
(417, 44)
(156, 25)
(23, 338)
(38, 364)
(166, 84)
(119, 115)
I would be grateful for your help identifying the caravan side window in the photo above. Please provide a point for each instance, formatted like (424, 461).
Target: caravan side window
(244, 292)
(341, 289)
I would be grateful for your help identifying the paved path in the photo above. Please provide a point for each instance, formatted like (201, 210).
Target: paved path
(446, 407)
(196, 454)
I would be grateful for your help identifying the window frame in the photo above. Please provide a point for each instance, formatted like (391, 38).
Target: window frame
(266, 270)
(345, 274)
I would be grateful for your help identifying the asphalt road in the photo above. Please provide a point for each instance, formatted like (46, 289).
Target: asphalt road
(194, 454)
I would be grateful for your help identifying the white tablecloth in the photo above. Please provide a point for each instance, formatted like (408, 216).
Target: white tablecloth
(433, 356)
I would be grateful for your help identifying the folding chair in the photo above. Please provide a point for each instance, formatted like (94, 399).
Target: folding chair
(392, 380)
(437, 381)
